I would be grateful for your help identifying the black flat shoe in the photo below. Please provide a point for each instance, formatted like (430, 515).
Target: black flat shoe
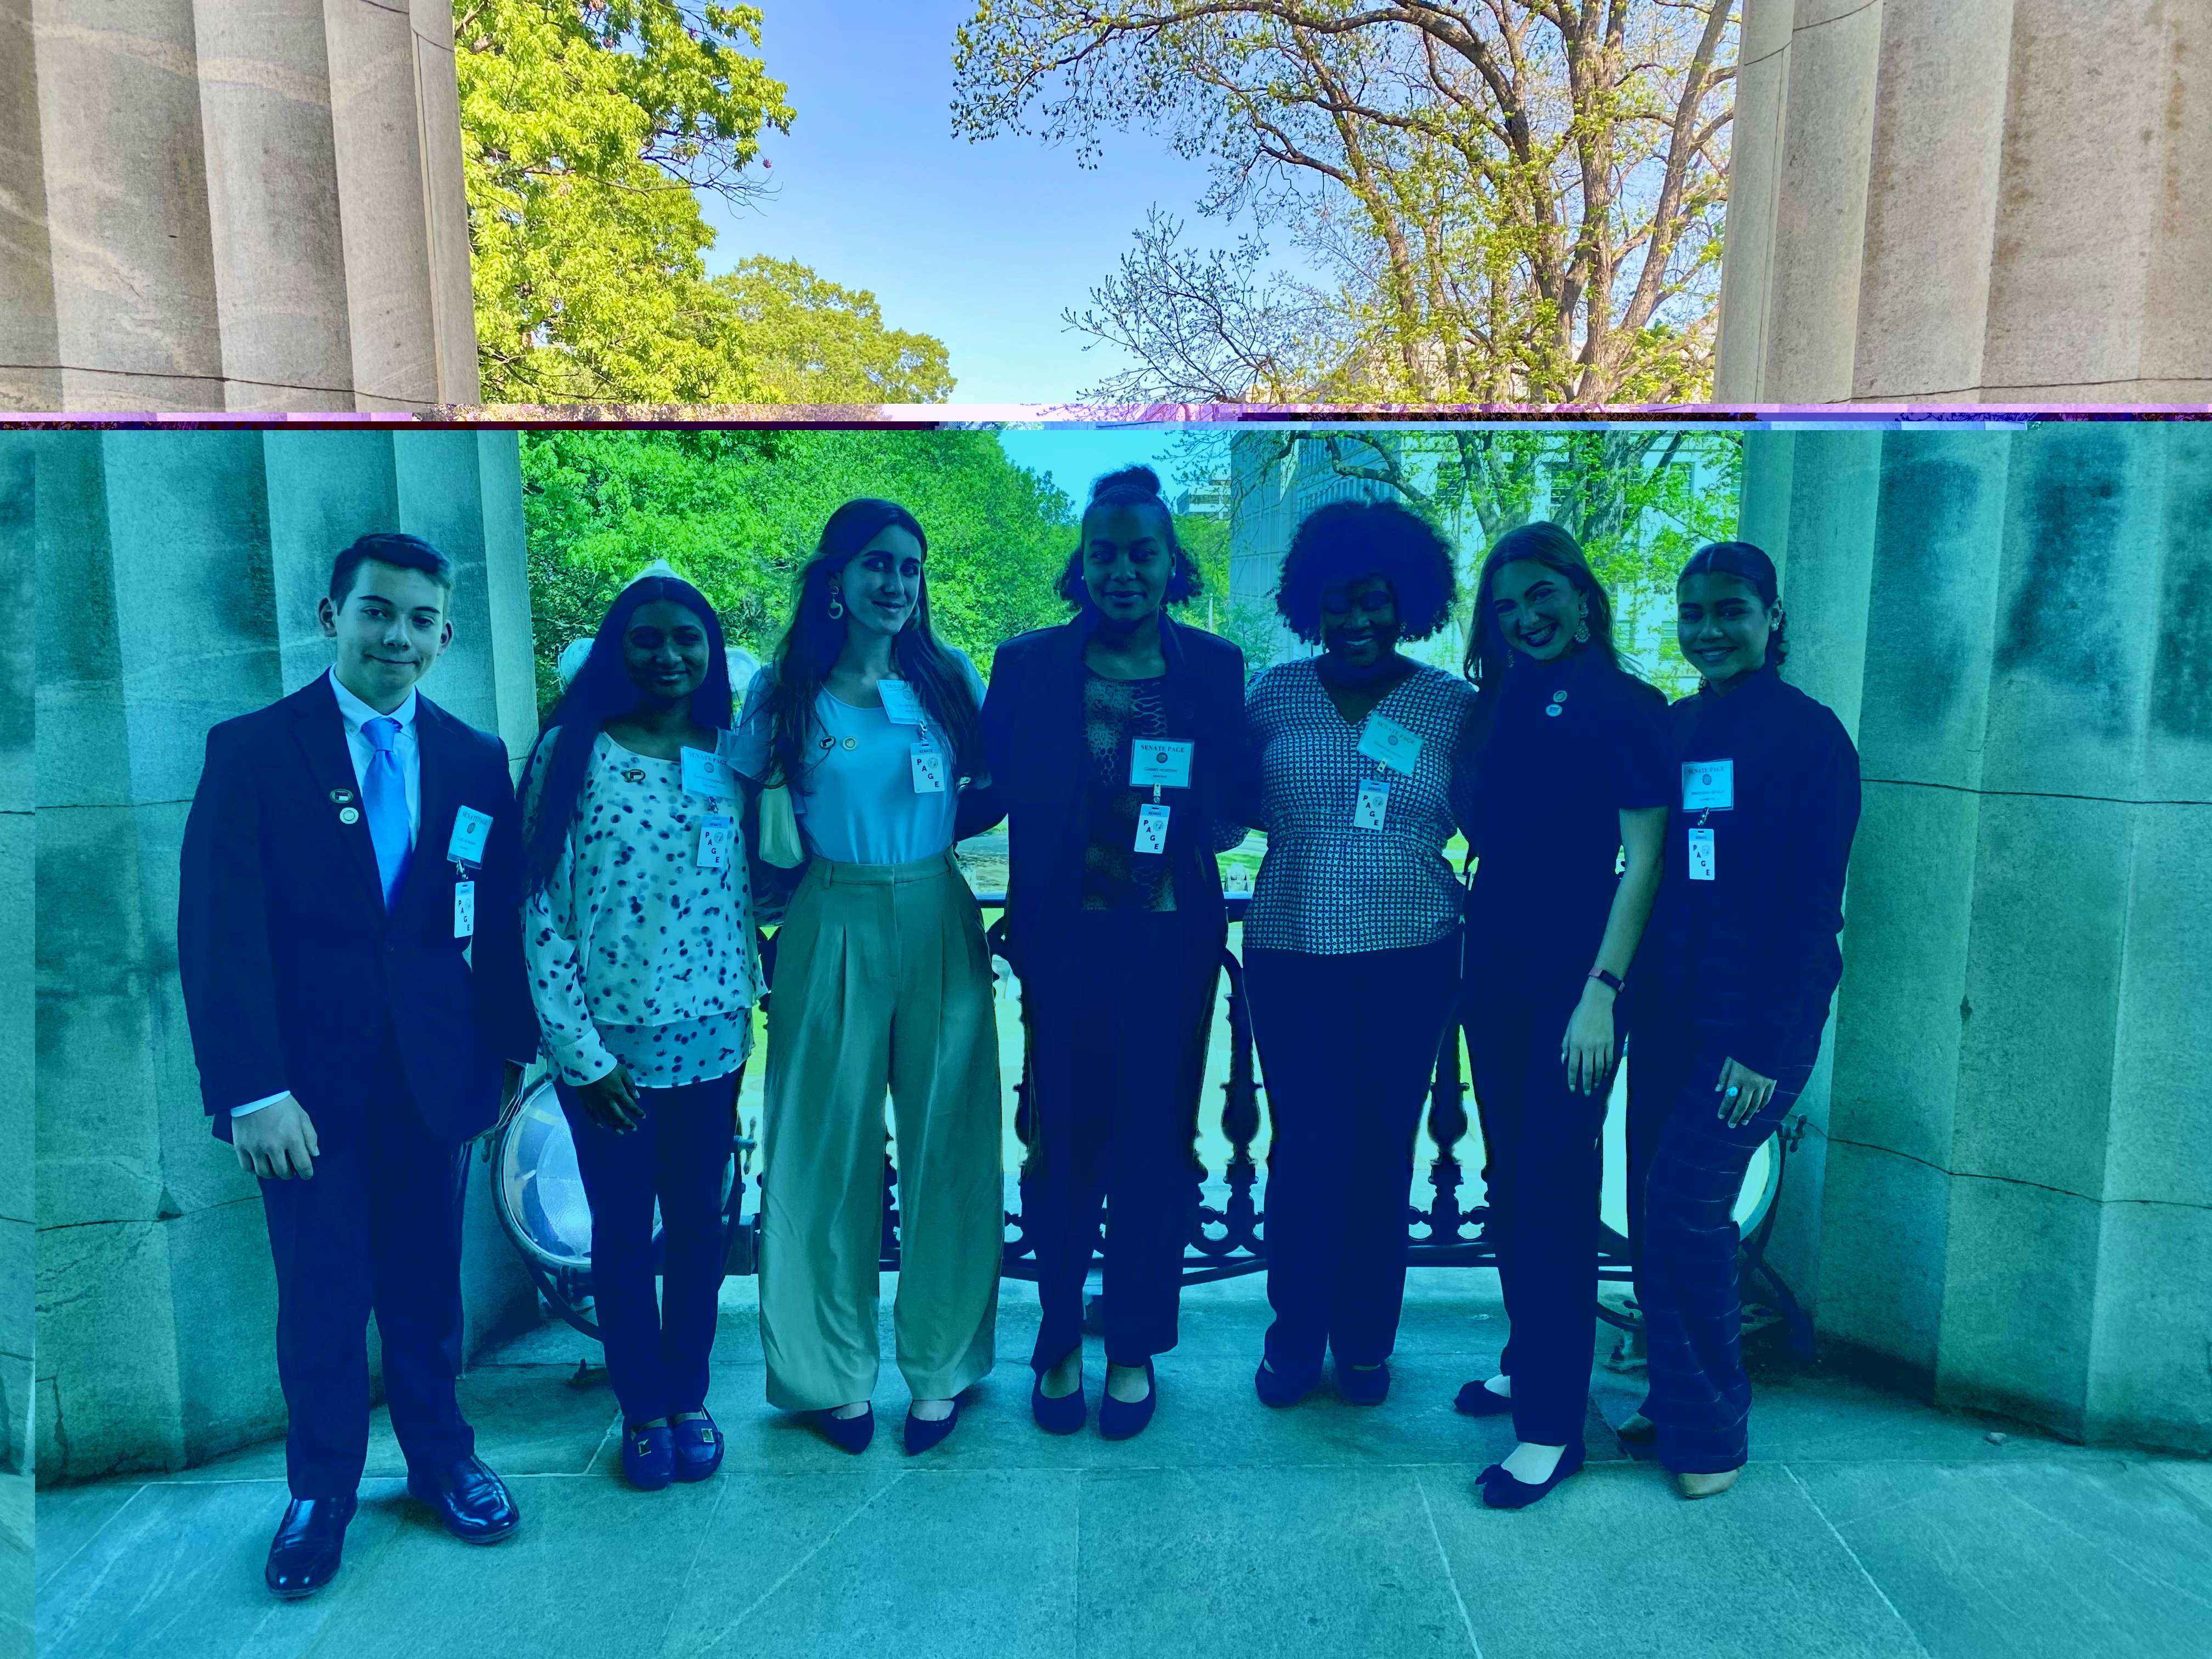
(1062, 1416)
(474, 1503)
(1362, 1385)
(850, 1434)
(304, 1555)
(698, 1448)
(921, 1435)
(1278, 1389)
(1502, 1490)
(1475, 1400)
(1121, 1420)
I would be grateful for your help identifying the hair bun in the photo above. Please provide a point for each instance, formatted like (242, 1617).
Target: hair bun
(1125, 483)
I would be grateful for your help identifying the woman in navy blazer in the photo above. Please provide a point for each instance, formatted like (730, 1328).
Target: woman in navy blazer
(1113, 743)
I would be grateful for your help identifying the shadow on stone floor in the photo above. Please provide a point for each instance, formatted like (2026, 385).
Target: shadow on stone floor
(1866, 1525)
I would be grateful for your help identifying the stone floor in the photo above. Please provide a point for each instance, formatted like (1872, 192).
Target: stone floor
(1866, 1525)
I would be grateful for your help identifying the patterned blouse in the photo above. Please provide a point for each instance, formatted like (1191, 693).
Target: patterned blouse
(1115, 876)
(636, 953)
(1327, 887)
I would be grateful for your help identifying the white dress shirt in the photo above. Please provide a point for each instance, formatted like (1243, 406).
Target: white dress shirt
(406, 750)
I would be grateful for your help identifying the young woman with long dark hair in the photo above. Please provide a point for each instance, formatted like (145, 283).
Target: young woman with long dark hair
(882, 982)
(1563, 770)
(1736, 990)
(638, 932)
(1113, 742)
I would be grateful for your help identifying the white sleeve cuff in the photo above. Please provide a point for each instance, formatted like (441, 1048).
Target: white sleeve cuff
(256, 1105)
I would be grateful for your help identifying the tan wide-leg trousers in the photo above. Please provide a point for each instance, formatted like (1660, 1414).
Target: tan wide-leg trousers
(881, 981)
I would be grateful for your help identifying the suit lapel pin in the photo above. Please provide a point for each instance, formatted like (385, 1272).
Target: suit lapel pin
(342, 796)
(348, 815)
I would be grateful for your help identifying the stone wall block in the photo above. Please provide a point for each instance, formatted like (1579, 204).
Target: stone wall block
(2150, 1366)
(325, 489)
(104, 1293)
(2177, 328)
(126, 192)
(26, 262)
(1932, 198)
(2177, 757)
(1884, 1231)
(441, 499)
(280, 259)
(2019, 1296)
(507, 593)
(1827, 563)
(220, 1268)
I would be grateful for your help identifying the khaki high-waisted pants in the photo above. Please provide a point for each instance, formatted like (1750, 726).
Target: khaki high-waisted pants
(881, 981)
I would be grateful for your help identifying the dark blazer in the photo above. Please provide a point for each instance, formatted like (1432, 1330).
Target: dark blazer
(1040, 766)
(288, 961)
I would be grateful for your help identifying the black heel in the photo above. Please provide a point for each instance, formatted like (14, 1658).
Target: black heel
(850, 1434)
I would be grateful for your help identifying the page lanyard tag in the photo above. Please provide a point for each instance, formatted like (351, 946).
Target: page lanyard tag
(1373, 805)
(464, 908)
(928, 762)
(1152, 827)
(706, 774)
(716, 830)
(1160, 764)
(1389, 743)
(470, 829)
(1709, 786)
(1702, 864)
(902, 704)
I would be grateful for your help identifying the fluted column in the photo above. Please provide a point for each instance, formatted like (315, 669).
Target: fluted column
(1975, 201)
(237, 204)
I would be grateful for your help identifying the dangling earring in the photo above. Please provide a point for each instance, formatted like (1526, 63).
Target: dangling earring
(836, 603)
(1582, 629)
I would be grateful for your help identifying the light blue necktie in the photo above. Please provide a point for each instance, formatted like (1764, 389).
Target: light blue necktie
(384, 794)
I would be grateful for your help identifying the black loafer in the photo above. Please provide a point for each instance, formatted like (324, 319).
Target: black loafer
(474, 1503)
(304, 1555)
(698, 1448)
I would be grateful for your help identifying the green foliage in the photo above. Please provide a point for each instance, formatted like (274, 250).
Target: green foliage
(587, 126)
(737, 513)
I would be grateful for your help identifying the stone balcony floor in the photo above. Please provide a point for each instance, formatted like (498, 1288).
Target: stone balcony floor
(1866, 1525)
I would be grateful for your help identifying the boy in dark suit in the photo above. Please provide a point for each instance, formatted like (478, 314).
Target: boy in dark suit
(350, 1041)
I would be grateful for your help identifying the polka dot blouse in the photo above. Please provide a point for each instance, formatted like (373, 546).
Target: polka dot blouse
(636, 953)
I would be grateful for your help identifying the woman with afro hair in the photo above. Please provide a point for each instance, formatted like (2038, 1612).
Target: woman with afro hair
(1351, 942)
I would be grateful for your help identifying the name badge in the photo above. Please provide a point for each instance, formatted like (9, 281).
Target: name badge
(1156, 763)
(1702, 866)
(716, 831)
(1709, 786)
(928, 762)
(705, 775)
(902, 704)
(1152, 828)
(1373, 805)
(470, 828)
(1386, 742)
(465, 909)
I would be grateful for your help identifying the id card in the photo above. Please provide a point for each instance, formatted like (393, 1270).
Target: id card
(1156, 763)
(1373, 805)
(1152, 828)
(465, 909)
(716, 831)
(1702, 865)
(928, 762)
(1383, 740)
(705, 775)
(470, 828)
(1709, 786)
(902, 703)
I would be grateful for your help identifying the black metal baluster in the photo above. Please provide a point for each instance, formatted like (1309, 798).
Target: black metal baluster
(1240, 1118)
(1447, 1124)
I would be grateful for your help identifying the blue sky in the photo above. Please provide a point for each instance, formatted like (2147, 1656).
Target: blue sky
(981, 245)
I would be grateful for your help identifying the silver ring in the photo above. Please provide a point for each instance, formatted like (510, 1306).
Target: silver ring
(1733, 1092)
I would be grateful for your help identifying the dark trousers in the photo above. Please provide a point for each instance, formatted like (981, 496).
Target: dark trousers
(377, 1228)
(1686, 1169)
(1545, 1160)
(1348, 1046)
(656, 1351)
(1119, 1004)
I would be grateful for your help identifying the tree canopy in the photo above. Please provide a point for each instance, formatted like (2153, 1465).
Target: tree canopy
(1510, 200)
(589, 128)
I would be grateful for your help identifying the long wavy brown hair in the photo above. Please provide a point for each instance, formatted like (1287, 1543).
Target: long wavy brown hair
(1489, 657)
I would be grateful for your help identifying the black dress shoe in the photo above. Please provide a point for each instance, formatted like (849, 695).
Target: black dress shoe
(1476, 1400)
(474, 1503)
(304, 1555)
(1503, 1491)
(922, 1433)
(850, 1434)
(1124, 1419)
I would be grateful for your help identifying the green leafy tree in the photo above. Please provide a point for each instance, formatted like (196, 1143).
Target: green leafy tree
(738, 513)
(589, 128)
(1508, 200)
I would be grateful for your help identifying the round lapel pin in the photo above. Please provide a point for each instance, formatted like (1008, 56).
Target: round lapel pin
(350, 815)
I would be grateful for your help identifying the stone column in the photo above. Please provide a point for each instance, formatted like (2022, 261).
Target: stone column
(1997, 201)
(178, 573)
(18, 1052)
(2012, 1175)
(237, 204)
